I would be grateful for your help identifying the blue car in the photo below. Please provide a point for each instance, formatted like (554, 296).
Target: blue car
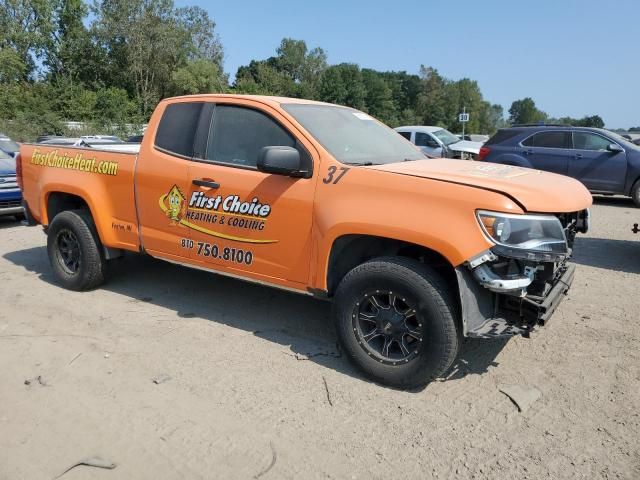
(602, 160)
(9, 146)
(10, 194)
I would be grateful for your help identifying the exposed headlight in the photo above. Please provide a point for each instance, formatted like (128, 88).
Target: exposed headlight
(531, 237)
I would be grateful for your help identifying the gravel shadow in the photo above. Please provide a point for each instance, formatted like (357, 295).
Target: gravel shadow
(618, 255)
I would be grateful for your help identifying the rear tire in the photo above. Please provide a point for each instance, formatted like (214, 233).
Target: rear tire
(403, 306)
(635, 193)
(75, 251)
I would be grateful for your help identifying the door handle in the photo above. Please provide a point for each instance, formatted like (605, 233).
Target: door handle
(205, 183)
(578, 155)
(528, 152)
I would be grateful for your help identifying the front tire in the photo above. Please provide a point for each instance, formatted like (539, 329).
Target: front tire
(395, 321)
(75, 251)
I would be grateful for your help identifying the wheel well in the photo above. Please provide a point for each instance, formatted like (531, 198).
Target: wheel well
(60, 201)
(349, 251)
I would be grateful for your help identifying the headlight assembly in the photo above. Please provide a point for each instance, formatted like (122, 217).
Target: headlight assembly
(530, 237)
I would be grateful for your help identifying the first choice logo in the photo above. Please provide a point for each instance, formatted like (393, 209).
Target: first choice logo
(217, 212)
(230, 204)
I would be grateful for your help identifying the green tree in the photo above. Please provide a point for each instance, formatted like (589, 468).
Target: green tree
(591, 121)
(27, 27)
(343, 84)
(294, 71)
(525, 111)
(379, 97)
(263, 78)
(431, 104)
(198, 76)
(12, 67)
(148, 40)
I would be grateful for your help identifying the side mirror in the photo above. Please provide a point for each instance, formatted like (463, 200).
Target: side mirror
(280, 161)
(615, 148)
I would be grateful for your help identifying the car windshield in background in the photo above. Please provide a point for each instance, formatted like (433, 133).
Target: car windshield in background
(8, 145)
(351, 136)
(620, 139)
(446, 137)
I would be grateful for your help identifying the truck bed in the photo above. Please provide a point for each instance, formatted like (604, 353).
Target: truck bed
(102, 179)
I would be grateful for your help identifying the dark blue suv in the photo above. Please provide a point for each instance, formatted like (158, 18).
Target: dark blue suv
(602, 160)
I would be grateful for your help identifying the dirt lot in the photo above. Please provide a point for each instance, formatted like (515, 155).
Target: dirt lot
(240, 374)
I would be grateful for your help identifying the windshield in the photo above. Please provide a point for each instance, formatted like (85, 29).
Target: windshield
(351, 136)
(446, 137)
(620, 139)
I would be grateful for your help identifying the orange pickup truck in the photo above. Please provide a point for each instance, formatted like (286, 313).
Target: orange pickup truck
(415, 253)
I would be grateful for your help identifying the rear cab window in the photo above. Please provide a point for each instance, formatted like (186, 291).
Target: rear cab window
(177, 129)
(406, 135)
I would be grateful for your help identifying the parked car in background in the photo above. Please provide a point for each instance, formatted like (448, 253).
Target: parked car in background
(103, 143)
(9, 146)
(10, 194)
(75, 141)
(439, 142)
(602, 160)
(135, 139)
(472, 137)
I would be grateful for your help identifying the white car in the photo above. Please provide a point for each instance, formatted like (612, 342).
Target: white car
(439, 142)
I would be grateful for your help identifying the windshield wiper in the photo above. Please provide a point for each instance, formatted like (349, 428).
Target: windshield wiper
(361, 164)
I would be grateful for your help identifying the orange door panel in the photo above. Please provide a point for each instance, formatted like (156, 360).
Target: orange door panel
(253, 222)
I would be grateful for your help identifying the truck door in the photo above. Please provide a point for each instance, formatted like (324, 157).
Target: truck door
(244, 220)
(595, 166)
(162, 181)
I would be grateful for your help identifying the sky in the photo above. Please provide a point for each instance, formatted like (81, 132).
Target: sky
(574, 58)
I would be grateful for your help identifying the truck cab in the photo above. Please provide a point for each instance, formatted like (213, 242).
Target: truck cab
(322, 200)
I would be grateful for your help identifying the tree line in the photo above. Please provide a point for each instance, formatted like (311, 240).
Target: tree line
(108, 63)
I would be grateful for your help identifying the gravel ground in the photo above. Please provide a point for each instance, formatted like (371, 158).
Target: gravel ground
(176, 373)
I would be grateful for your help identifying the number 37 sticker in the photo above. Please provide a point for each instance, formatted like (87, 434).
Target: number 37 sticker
(333, 178)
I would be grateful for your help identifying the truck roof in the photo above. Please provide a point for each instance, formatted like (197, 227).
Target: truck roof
(268, 99)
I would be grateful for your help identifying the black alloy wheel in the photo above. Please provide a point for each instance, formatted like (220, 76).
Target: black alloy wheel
(68, 251)
(387, 327)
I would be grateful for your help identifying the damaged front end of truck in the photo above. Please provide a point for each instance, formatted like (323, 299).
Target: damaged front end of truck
(517, 284)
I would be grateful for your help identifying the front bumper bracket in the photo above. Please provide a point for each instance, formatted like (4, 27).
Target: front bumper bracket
(487, 314)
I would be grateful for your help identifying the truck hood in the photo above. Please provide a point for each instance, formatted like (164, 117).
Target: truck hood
(7, 166)
(466, 146)
(535, 190)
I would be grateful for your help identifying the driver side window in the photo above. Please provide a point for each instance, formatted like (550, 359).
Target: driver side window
(237, 135)
(425, 140)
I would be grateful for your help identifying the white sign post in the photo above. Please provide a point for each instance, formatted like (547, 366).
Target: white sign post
(463, 118)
